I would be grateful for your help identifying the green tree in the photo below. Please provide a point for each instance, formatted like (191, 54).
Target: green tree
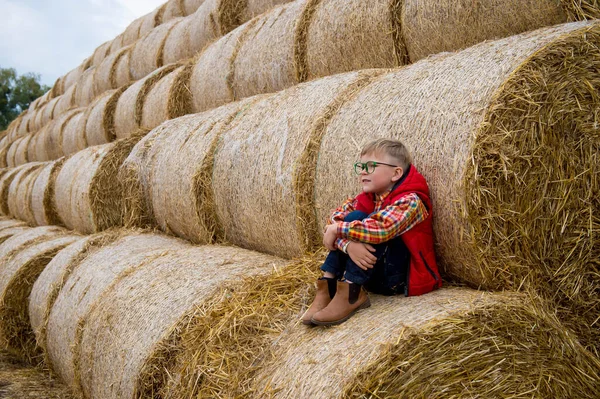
(16, 93)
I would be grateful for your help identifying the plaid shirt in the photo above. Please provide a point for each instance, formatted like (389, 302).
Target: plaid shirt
(383, 224)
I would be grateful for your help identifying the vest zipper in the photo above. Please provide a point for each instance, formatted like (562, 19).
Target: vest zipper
(429, 268)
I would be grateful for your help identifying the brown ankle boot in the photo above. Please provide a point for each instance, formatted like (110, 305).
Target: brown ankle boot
(348, 299)
(325, 292)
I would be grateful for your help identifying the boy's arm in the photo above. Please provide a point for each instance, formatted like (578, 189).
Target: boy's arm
(386, 224)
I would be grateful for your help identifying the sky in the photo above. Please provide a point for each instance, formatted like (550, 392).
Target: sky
(51, 37)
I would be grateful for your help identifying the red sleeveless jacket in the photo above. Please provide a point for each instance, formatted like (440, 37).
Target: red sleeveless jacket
(423, 275)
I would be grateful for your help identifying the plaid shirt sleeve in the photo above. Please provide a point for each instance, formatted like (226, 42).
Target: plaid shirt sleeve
(388, 223)
(338, 217)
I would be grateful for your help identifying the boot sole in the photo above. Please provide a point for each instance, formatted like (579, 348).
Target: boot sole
(340, 321)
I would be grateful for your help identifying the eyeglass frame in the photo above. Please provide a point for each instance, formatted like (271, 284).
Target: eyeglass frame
(365, 167)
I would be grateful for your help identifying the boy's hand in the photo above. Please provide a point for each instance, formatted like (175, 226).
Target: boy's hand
(330, 236)
(360, 253)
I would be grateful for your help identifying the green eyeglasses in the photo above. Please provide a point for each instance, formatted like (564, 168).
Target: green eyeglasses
(369, 166)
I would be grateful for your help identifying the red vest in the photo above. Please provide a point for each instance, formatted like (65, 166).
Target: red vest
(423, 275)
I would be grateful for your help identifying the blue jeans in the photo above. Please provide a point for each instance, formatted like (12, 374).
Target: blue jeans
(388, 275)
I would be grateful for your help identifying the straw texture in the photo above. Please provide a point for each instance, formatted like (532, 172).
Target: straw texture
(19, 193)
(173, 9)
(479, 137)
(435, 26)
(85, 284)
(100, 124)
(88, 197)
(257, 7)
(5, 234)
(18, 272)
(19, 157)
(211, 82)
(73, 136)
(85, 93)
(190, 6)
(180, 162)
(274, 140)
(51, 281)
(100, 53)
(48, 111)
(8, 223)
(122, 75)
(347, 36)
(177, 44)
(53, 138)
(474, 342)
(151, 20)
(66, 102)
(72, 77)
(270, 42)
(169, 98)
(6, 181)
(104, 78)
(42, 195)
(129, 108)
(132, 32)
(147, 54)
(180, 280)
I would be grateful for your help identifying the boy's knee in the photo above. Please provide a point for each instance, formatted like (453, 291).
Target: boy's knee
(355, 215)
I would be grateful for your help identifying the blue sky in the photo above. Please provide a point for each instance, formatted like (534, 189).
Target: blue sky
(51, 37)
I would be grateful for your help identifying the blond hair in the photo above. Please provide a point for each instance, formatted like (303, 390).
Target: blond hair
(393, 148)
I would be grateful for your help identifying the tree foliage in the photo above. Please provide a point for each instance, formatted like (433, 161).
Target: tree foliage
(16, 93)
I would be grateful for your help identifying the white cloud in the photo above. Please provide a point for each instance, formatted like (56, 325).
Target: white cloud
(51, 38)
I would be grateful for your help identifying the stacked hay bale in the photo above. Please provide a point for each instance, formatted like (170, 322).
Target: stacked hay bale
(65, 102)
(73, 135)
(85, 93)
(130, 105)
(52, 140)
(105, 76)
(100, 120)
(169, 98)
(122, 75)
(23, 257)
(277, 138)
(6, 180)
(20, 193)
(88, 196)
(79, 285)
(42, 195)
(147, 53)
(149, 174)
(482, 125)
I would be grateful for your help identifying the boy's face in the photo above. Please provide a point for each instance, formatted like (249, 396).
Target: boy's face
(383, 178)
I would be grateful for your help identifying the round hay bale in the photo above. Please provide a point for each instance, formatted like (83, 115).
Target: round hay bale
(11, 153)
(180, 282)
(366, 35)
(24, 125)
(128, 112)
(482, 124)
(85, 283)
(450, 343)
(42, 195)
(85, 92)
(265, 210)
(7, 223)
(105, 76)
(122, 76)
(5, 234)
(18, 272)
(192, 137)
(177, 44)
(6, 180)
(173, 9)
(256, 7)
(464, 26)
(88, 195)
(147, 54)
(100, 121)
(270, 42)
(32, 145)
(72, 77)
(50, 282)
(13, 127)
(100, 53)
(132, 32)
(21, 156)
(36, 122)
(48, 112)
(65, 102)
(206, 23)
(19, 194)
(211, 82)
(58, 88)
(151, 21)
(116, 44)
(37, 145)
(190, 6)
(73, 136)
(54, 135)
(169, 98)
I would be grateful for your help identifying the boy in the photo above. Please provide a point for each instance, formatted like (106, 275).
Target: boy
(382, 240)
